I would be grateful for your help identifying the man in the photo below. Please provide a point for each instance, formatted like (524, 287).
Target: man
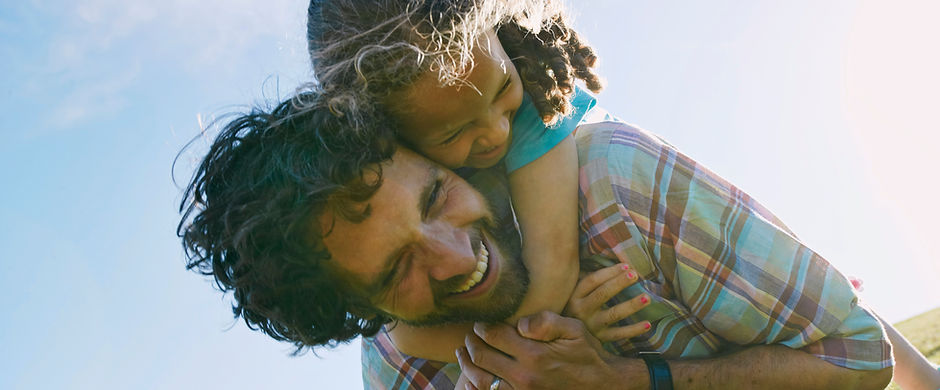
(324, 236)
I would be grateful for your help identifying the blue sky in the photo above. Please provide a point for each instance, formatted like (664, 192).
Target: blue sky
(824, 111)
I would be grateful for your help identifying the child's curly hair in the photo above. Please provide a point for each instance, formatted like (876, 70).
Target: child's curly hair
(365, 50)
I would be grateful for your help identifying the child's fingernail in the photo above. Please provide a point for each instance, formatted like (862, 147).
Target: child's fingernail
(647, 326)
(644, 300)
(631, 275)
(626, 266)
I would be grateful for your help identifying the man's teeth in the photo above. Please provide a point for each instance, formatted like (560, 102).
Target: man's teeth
(483, 259)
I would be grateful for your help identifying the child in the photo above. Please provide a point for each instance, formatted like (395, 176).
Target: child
(452, 74)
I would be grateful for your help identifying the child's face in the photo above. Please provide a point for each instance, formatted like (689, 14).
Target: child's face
(461, 125)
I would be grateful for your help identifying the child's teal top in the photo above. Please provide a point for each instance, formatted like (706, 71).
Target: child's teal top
(531, 138)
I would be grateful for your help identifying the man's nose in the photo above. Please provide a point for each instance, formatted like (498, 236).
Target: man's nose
(446, 252)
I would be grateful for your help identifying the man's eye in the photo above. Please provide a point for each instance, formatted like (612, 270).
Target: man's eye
(432, 197)
(387, 282)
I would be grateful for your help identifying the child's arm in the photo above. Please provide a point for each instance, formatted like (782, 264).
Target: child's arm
(545, 198)
(432, 342)
(912, 371)
(586, 304)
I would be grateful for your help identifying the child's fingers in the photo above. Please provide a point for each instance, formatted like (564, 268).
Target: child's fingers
(610, 288)
(622, 310)
(593, 280)
(581, 305)
(622, 332)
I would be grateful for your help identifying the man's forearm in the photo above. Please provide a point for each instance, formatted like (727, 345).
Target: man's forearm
(759, 367)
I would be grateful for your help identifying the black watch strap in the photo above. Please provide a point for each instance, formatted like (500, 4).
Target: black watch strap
(660, 376)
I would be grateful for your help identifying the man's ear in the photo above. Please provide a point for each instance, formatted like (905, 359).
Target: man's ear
(363, 313)
(364, 310)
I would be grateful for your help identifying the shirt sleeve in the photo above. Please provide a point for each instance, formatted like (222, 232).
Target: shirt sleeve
(857, 337)
(531, 138)
(385, 368)
(738, 270)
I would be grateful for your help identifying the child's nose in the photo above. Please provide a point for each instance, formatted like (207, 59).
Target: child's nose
(496, 133)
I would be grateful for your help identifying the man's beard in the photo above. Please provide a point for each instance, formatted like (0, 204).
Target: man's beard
(513, 282)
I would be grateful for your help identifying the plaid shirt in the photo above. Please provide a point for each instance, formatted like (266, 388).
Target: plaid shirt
(722, 271)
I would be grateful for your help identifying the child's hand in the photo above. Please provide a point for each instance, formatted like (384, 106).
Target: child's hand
(587, 303)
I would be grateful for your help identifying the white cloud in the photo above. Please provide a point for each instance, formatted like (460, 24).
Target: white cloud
(227, 27)
(93, 99)
(93, 29)
(99, 47)
(210, 32)
(891, 101)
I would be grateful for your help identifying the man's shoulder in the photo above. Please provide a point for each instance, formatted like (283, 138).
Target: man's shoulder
(385, 367)
(596, 134)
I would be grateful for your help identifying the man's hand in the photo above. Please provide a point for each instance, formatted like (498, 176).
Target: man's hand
(547, 351)
(544, 351)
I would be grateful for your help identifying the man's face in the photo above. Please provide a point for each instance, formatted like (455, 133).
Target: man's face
(431, 251)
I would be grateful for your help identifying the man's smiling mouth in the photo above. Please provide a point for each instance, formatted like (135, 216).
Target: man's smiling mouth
(483, 259)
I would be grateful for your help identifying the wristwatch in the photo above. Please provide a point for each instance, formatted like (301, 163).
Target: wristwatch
(660, 376)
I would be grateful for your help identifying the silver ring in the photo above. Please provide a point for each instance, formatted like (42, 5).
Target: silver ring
(495, 384)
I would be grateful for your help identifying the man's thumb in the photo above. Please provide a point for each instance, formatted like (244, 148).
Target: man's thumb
(548, 326)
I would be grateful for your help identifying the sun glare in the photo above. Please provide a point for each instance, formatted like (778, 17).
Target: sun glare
(892, 100)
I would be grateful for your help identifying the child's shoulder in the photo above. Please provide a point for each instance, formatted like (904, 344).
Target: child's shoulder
(531, 138)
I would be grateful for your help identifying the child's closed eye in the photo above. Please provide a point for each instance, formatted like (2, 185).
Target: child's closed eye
(453, 137)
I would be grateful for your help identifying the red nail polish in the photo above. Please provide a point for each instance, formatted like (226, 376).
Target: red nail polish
(631, 275)
(626, 266)
(647, 326)
(644, 299)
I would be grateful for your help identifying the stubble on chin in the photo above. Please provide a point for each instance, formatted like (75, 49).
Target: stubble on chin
(505, 299)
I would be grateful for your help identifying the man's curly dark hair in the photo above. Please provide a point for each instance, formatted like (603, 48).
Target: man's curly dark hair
(365, 50)
(250, 218)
